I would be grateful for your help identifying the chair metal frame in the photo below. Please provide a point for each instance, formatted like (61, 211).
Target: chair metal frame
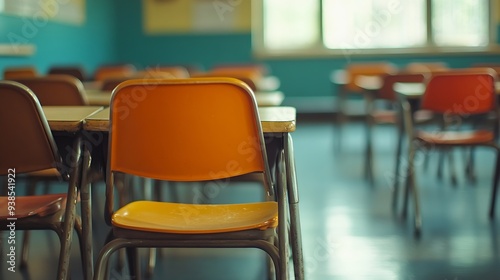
(262, 239)
(62, 219)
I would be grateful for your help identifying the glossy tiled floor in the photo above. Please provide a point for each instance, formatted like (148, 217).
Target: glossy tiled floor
(349, 229)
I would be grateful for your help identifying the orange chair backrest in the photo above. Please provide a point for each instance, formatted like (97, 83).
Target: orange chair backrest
(387, 90)
(57, 90)
(114, 71)
(185, 129)
(19, 72)
(461, 92)
(367, 69)
(27, 144)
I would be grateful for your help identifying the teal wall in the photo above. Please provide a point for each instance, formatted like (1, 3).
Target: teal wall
(113, 33)
(89, 45)
(299, 77)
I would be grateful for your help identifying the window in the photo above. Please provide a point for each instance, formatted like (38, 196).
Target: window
(373, 26)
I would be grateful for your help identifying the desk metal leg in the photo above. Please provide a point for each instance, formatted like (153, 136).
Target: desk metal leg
(70, 212)
(86, 209)
(293, 199)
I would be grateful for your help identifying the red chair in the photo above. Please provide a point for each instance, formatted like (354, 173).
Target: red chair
(450, 95)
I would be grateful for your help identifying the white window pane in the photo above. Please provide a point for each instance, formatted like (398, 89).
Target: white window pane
(366, 24)
(290, 24)
(460, 22)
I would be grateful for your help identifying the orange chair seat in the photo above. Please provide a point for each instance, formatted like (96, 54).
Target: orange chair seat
(457, 137)
(181, 218)
(27, 206)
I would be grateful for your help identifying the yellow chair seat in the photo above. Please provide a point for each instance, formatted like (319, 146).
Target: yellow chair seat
(181, 218)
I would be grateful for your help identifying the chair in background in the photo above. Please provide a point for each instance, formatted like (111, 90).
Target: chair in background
(52, 90)
(345, 80)
(13, 73)
(190, 147)
(114, 71)
(56, 90)
(30, 148)
(387, 113)
(442, 94)
(75, 71)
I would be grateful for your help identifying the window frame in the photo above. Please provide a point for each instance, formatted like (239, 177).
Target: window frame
(320, 50)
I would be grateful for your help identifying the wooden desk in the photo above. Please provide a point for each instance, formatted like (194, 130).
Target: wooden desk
(273, 120)
(68, 118)
(67, 122)
(263, 98)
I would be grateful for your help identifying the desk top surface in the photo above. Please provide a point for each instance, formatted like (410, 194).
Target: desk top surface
(273, 120)
(68, 118)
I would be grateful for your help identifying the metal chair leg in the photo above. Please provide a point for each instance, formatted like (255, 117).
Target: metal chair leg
(495, 186)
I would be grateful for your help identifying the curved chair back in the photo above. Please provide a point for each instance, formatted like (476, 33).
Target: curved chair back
(366, 69)
(13, 73)
(74, 71)
(114, 71)
(186, 130)
(57, 90)
(387, 90)
(461, 92)
(27, 144)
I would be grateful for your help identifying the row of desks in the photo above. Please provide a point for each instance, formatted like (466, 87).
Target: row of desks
(96, 118)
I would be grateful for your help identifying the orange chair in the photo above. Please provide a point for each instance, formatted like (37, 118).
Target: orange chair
(30, 148)
(114, 71)
(57, 90)
(204, 122)
(449, 94)
(347, 85)
(13, 73)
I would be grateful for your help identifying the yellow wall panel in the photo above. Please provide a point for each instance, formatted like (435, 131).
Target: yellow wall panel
(196, 16)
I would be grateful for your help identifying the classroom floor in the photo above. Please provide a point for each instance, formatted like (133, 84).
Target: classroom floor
(349, 229)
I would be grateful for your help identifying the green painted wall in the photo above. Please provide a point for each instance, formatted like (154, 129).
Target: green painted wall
(89, 45)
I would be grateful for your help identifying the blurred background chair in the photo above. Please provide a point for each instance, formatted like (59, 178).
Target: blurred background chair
(382, 108)
(75, 71)
(426, 67)
(199, 149)
(448, 95)
(345, 81)
(12, 73)
(114, 71)
(30, 148)
(56, 90)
